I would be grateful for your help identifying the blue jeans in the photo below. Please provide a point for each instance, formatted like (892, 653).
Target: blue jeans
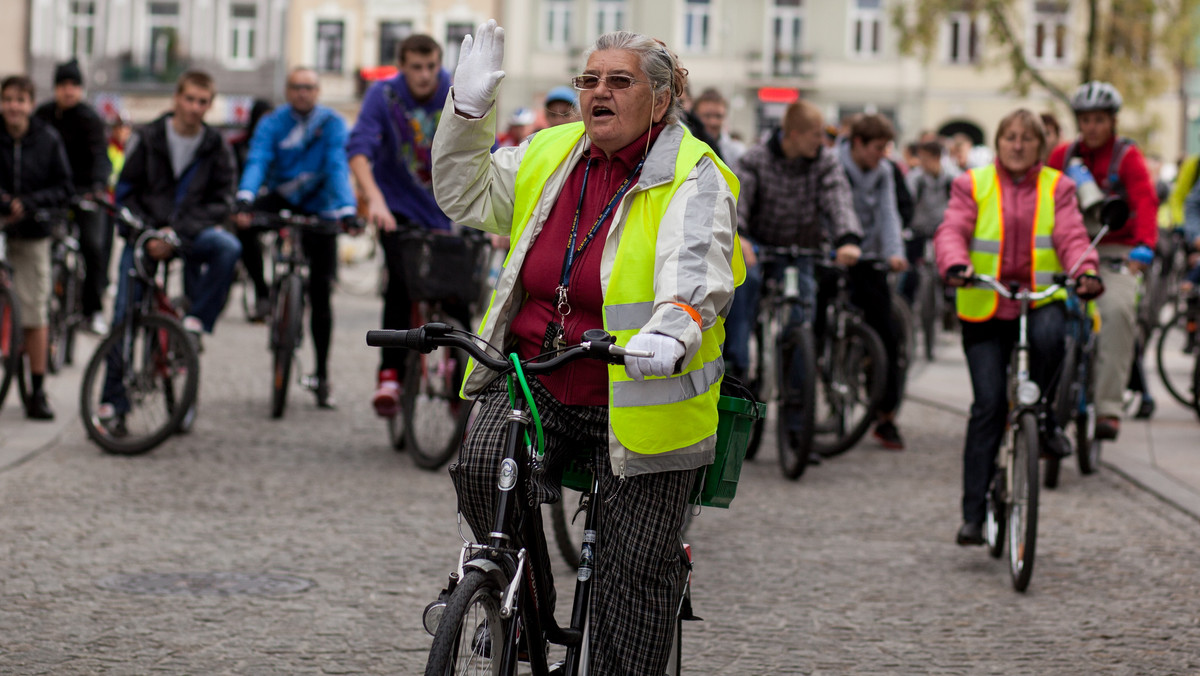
(744, 311)
(208, 268)
(988, 347)
(207, 274)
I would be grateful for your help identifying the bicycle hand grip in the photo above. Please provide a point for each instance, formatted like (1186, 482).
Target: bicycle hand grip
(410, 339)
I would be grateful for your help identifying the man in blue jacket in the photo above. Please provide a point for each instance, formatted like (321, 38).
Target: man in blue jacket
(389, 150)
(298, 154)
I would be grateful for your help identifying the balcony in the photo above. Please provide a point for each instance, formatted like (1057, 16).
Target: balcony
(781, 66)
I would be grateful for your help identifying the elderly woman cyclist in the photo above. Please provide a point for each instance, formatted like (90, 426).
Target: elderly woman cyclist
(1016, 220)
(622, 221)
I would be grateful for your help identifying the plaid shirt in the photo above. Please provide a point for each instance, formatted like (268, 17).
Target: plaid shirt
(794, 201)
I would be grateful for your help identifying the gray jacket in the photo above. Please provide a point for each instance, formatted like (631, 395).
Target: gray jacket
(875, 203)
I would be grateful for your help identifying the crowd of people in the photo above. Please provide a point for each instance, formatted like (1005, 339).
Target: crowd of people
(629, 174)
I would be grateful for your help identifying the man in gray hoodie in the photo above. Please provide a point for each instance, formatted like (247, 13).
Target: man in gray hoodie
(873, 184)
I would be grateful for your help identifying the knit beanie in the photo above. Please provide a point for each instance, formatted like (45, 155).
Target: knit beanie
(68, 72)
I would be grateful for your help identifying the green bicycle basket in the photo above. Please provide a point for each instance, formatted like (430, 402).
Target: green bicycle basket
(715, 484)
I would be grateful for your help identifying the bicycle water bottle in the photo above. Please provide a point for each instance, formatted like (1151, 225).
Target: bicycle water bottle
(791, 282)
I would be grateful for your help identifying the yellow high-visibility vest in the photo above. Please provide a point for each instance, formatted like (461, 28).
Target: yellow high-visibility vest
(979, 304)
(656, 415)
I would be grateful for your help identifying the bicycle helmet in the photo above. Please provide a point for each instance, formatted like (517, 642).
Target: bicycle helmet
(1096, 95)
(522, 116)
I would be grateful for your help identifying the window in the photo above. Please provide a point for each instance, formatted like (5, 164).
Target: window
(391, 34)
(787, 25)
(455, 32)
(163, 22)
(557, 29)
(866, 28)
(243, 20)
(1049, 43)
(962, 38)
(81, 28)
(697, 17)
(610, 15)
(330, 43)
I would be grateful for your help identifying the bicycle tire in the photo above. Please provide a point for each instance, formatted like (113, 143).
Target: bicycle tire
(471, 620)
(1171, 352)
(795, 404)
(435, 416)
(1023, 501)
(395, 428)
(1066, 392)
(161, 344)
(11, 339)
(903, 322)
(861, 355)
(61, 305)
(1196, 386)
(566, 538)
(760, 364)
(286, 325)
(927, 301)
(995, 521)
(1087, 446)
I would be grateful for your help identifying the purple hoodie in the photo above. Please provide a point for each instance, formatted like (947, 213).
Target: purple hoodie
(395, 132)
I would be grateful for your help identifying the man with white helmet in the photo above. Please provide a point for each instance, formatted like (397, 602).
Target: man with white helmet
(520, 125)
(1119, 169)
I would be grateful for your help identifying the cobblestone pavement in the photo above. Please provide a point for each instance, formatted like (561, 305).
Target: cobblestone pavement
(852, 570)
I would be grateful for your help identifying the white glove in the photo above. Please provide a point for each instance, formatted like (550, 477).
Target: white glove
(478, 73)
(667, 352)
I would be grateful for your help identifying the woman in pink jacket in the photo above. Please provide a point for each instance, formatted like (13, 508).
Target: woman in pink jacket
(989, 332)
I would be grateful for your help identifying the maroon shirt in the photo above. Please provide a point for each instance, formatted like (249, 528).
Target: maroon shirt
(585, 382)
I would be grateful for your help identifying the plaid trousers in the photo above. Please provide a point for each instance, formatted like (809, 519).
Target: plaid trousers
(638, 558)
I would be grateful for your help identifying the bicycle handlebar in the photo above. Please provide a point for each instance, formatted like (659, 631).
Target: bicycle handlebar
(597, 344)
(285, 218)
(1014, 291)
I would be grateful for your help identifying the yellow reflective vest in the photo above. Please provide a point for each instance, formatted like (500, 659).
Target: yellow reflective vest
(979, 304)
(656, 415)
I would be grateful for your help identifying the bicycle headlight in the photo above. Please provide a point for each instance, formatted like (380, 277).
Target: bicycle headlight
(1028, 393)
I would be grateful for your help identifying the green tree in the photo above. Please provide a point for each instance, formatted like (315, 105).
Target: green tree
(1141, 46)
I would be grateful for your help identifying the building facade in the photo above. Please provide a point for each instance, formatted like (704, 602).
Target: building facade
(842, 55)
(132, 51)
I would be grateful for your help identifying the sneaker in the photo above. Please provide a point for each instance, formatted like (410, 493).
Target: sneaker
(1055, 444)
(98, 324)
(387, 395)
(1108, 428)
(889, 436)
(970, 534)
(1146, 409)
(195, 329)
(262, 310)
(323, 392)
(37, 408)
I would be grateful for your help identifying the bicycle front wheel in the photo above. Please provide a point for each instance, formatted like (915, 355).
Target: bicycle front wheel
(139, 385)
(928, 294)
(850, 391)
(434, 414)
(470, 635)
(62, 304)
(1023, 501)
(758, 380)
(797, 361)
(287, 320)
(11, 338)
(1176, 352)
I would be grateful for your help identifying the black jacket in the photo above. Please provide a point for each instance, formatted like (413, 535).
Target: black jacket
(33, 169)
(149, 188)
(82, 132)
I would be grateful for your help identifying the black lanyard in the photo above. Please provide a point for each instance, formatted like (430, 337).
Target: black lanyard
(572, 252)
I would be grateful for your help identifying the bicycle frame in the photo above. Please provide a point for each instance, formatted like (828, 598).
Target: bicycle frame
(521, 564)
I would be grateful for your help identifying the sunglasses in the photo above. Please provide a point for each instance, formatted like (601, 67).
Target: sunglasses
(586, 82)
(302, 87)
